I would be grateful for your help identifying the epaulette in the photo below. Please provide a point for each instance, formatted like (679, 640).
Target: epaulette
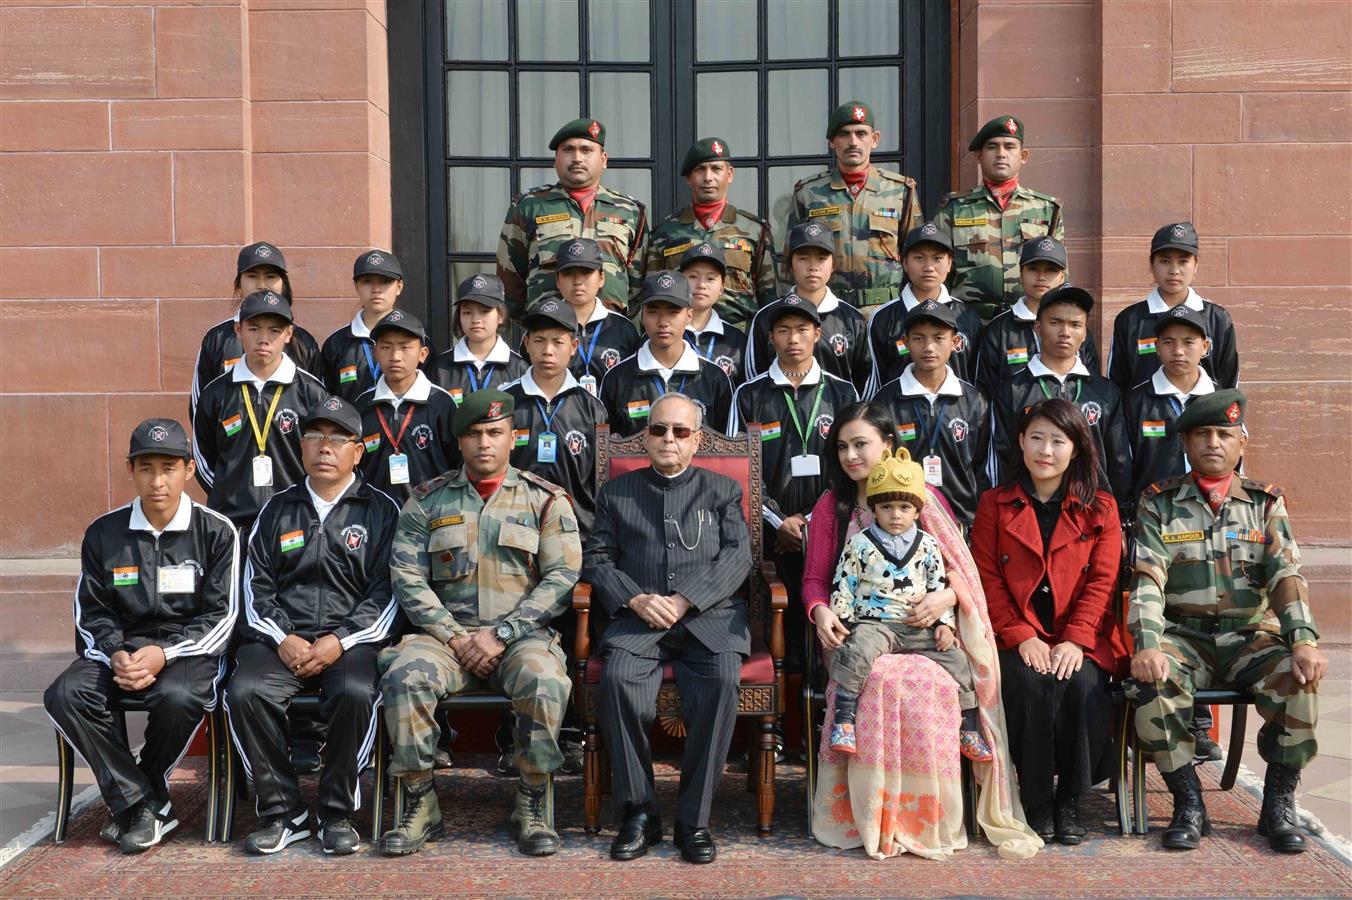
(750, 215)
(811, 178)
(1250, 485)
(1159, 487)
(889, 175)
(1041, 196)
(634, 200)
(543, 483)
(422, 490)
(949, 198)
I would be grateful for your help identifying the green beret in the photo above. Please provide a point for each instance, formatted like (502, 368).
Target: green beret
(590, 129)
(487, 405)
(711, 148)
(853, 112)
(1000, 126)
(1225, 408)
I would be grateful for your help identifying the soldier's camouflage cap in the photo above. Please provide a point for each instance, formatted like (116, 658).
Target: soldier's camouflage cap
(487, 405)
(705, 251)
(1000, 126)
(706, 150)
(1224, 408)
(1043, 249)
(851, 112)
(590, 129)
(1182, 315)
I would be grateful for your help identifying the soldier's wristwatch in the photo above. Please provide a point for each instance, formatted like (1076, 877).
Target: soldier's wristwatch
(1304, 642)
(504, 633)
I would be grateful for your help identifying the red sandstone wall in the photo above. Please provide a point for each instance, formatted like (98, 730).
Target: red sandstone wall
(141, 144)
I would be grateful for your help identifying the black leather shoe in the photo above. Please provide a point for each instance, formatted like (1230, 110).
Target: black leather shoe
(1039, 816)
(1069, 831)
(696, 844)
(638, 832)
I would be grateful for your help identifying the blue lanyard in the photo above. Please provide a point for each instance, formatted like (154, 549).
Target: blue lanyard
(591, 348)
(370, 363)
(1178, 407)
(707, 353)
(662, 388)
(923, 436)
(548, 416)
(474, 384)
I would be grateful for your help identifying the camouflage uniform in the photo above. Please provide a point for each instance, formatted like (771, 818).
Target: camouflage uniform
(1222, 596)
(868, 230)
(542, 219)
(528, 534)
(987, 242)
(748, 250)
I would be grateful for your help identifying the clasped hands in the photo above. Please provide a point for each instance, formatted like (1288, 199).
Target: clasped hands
(137, 671)
(659, 611)
(478, 652)
(307, 659)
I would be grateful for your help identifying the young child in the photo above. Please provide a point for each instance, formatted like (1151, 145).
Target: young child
(348, 363)
(884, 570)
(705, 267)
(605, 337)
(1173, 264)
(481, 358)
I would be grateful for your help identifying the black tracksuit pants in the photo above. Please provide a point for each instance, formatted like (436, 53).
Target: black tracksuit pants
(79, 702)
(257, 700)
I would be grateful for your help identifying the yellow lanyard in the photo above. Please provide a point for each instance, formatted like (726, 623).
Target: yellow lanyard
(260, 435)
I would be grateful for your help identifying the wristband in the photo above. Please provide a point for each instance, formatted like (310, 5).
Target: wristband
(1304, 642)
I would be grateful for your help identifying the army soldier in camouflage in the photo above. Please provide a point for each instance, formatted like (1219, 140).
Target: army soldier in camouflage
(483, 560)
(748, 248)
(1217, 599)
(990, 224)
(869, 210)
(543, 219)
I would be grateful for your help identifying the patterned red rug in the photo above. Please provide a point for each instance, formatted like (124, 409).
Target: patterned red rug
(478, 858)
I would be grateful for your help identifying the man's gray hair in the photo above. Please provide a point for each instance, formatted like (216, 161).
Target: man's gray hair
(677, 395)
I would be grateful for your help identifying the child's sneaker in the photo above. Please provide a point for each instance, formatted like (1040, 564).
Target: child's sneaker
(842, 737)
(972, 745)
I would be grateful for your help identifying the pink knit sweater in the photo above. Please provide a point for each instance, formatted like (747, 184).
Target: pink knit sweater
(820, 557)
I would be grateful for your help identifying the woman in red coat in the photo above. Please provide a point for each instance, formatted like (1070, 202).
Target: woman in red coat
(1048, 546)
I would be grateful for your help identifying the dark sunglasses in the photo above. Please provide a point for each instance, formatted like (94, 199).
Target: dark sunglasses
(659, 429)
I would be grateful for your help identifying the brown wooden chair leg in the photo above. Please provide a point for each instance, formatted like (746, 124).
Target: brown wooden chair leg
(765, 792)
(753, 758)
(591, 777)
(1239, 723)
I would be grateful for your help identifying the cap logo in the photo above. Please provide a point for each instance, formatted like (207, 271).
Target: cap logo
(665, 282)
(394, 315)
(375, 259)
(1178, 231)
(1232, 412)
(479, 283)
(263, 251)
(1011, 126)
(574, 249)
(549, 306)
(859, 114)
(929, 306)
(333, 404)
(929, 230)
(812, 230)
(158, 433)
(594, 129)
(495, 406)
(1178, 312)
(272, 299)
(705, 249)
(1045, 245)
(717, 148)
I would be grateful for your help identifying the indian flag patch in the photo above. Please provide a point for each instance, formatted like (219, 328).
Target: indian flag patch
(1145, 346)
(347, 374)
(638, 409)
(902, 349)
(770, 431)
(371, 442)
(1016, 355)
(907, 431)
(1153, 429)
(293, 540)
(520, 437)
(125, 576)
(231, 425)
(457, 394)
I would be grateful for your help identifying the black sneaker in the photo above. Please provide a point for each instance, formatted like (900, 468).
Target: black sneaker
(338, 837)
(1204, 749)
(278, 833)
(442, 759)
(146, 826)
(111, 830)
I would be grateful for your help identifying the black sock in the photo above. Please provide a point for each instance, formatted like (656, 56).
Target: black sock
(971, 720)
(846, 704)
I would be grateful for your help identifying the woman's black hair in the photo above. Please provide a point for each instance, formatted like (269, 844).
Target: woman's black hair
(286, 288)
(1081, 480)
(846, 491)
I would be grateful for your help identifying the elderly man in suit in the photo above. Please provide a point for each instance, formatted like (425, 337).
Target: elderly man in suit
(669, 549)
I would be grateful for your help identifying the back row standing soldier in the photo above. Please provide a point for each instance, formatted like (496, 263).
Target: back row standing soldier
(990, 224)
(868, 210)
(747, 247)
(543, 219)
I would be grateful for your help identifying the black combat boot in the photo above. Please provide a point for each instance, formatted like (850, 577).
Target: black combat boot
(1277, 821)
(1190, 821)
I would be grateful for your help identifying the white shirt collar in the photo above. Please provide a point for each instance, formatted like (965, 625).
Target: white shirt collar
(178, 522)
(599, 312)
(910, 301)
(1040, 370)
(285, 374)
(1155, 303)
(532, 388)
(1165, 388)
(689, 361)
(814, 374)
(911, 386)
(500, 353)
(829, 302)
(322, 506)
(418, 392)
(1021, 310)
(714, 325)
(358, 326)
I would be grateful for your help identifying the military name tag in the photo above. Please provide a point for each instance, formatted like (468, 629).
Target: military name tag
(553, 217)
(823, 211)
(262, 471)
(398, 468)
(1181, 537)
(446, 520)
(680, 248)
(177, 579)
(969, 222)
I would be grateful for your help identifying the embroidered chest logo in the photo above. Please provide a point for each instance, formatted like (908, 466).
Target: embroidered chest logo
(575, 441)
(839, 344)
(958, 428)
(422, 436)
(353, 537)
(287, 420)
(1092, 412)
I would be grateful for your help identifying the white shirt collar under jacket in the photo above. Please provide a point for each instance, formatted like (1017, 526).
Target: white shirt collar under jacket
(1165, 388)
(689, 361)
(911, 386)
(418, 392)
(777, 375)
(1040, 370)
(713, 326)
(1021, 310)
(910, 301)
(285, 374)
(358, 326)
(499, 354)
(598, 313)
(1155, 303)
(179, 521)
(322, 506)
(532, 387)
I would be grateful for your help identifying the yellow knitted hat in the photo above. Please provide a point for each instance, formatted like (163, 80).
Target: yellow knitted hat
(896, 476)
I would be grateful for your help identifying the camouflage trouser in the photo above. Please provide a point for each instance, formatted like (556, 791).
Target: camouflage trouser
(1258, 662)
(420, 671)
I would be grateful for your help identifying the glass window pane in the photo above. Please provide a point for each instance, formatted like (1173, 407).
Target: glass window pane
(744, 192)
(622, 101)
(545, 101)
(796, 29)
(781, 181)
(725, 29)
(476, 114)
(546, 30)
(880, 88)
(726, 107)
(476, 201)
(870, 28)
(798, 112)
(534, 177)
(637, 183)
(618, 30)
(462, 270)
(476, 29)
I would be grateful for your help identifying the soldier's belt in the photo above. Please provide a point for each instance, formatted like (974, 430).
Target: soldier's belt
(874, 296)
(1200, 624)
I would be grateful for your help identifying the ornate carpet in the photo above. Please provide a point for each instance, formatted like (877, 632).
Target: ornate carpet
(478, 859)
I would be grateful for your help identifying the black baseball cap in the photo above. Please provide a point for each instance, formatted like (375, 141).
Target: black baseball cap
(265, 303)
(810, 234)
(705, 251)
(665, 287)
(791, 305)
(929, 233)
(337, 411)
(579, 253)
(1067, 293)
(482, 288)
(399, 320)
(550, 313)
(159, 437)
(1182, 315)
(260, 254)
(1175, 236)
(377, 262)
(930, 311)
(1043, 249)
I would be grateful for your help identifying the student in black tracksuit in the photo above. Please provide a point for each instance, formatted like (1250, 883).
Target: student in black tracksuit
(406, 420)
(154, 609)
(664, 363)
(1057, 371)
(247, 428)
(1173, 263)
(605, 337)
(259, 267)
(794, 403)
(481, 358)
(927, 256)
(705, 266)
(942, 421)
(348, 364)
(318, 607)
(1009, 341)
(843, 347)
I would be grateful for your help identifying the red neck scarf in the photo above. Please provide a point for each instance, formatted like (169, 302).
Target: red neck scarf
(584, 198)
(487, 486)
(1214, 489)
(708, 214)
(1002, 191)
(854, 181)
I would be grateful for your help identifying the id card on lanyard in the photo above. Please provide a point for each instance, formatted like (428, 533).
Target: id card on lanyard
(474, 383)
(371, 365)
(398, 462)
(588, 380)
(805, 465)
(547, 442)
(262, 463)
(926, 436)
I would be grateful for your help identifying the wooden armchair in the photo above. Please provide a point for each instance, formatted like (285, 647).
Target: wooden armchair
(761, 693)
